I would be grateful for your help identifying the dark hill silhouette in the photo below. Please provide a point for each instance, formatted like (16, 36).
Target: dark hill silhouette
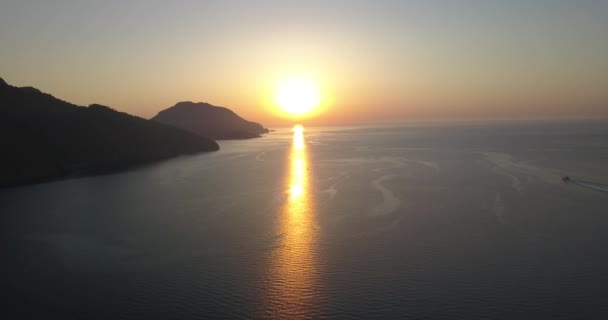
(209, 121)
(43, 138)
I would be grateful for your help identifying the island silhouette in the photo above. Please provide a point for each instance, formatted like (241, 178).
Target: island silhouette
(43, 138)
(209, 121)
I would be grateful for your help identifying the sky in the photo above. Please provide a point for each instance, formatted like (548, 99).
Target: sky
(374, 61)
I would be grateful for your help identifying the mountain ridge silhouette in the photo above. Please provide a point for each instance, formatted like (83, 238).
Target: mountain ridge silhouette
(210, 121)
(44, 138)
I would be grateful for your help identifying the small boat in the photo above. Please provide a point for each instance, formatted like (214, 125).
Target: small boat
(566, 179)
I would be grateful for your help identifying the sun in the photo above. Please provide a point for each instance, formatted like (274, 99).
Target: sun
(297, 96)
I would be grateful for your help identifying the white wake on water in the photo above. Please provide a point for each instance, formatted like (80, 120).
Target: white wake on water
(590, 185)
(390, 202)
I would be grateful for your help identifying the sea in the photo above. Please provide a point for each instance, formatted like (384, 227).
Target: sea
(416, 221)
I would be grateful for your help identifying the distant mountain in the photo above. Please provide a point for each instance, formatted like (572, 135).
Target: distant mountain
(43, 138)
(209, 121)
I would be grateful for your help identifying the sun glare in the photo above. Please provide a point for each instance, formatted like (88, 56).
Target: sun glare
(298, 96)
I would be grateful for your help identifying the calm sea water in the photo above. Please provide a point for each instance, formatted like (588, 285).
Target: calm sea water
(429, 221)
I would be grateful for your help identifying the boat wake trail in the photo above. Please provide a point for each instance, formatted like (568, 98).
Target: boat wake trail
(586, 184)
(390, 202)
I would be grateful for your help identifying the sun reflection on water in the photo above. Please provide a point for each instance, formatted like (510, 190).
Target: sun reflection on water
(293, 262)
(298, 174)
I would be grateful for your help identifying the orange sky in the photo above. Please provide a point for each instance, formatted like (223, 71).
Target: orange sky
(386, 61)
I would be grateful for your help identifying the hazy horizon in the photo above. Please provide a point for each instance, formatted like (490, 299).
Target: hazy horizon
(382, 62)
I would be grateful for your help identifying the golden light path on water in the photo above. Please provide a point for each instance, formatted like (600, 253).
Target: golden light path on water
(293, 263)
